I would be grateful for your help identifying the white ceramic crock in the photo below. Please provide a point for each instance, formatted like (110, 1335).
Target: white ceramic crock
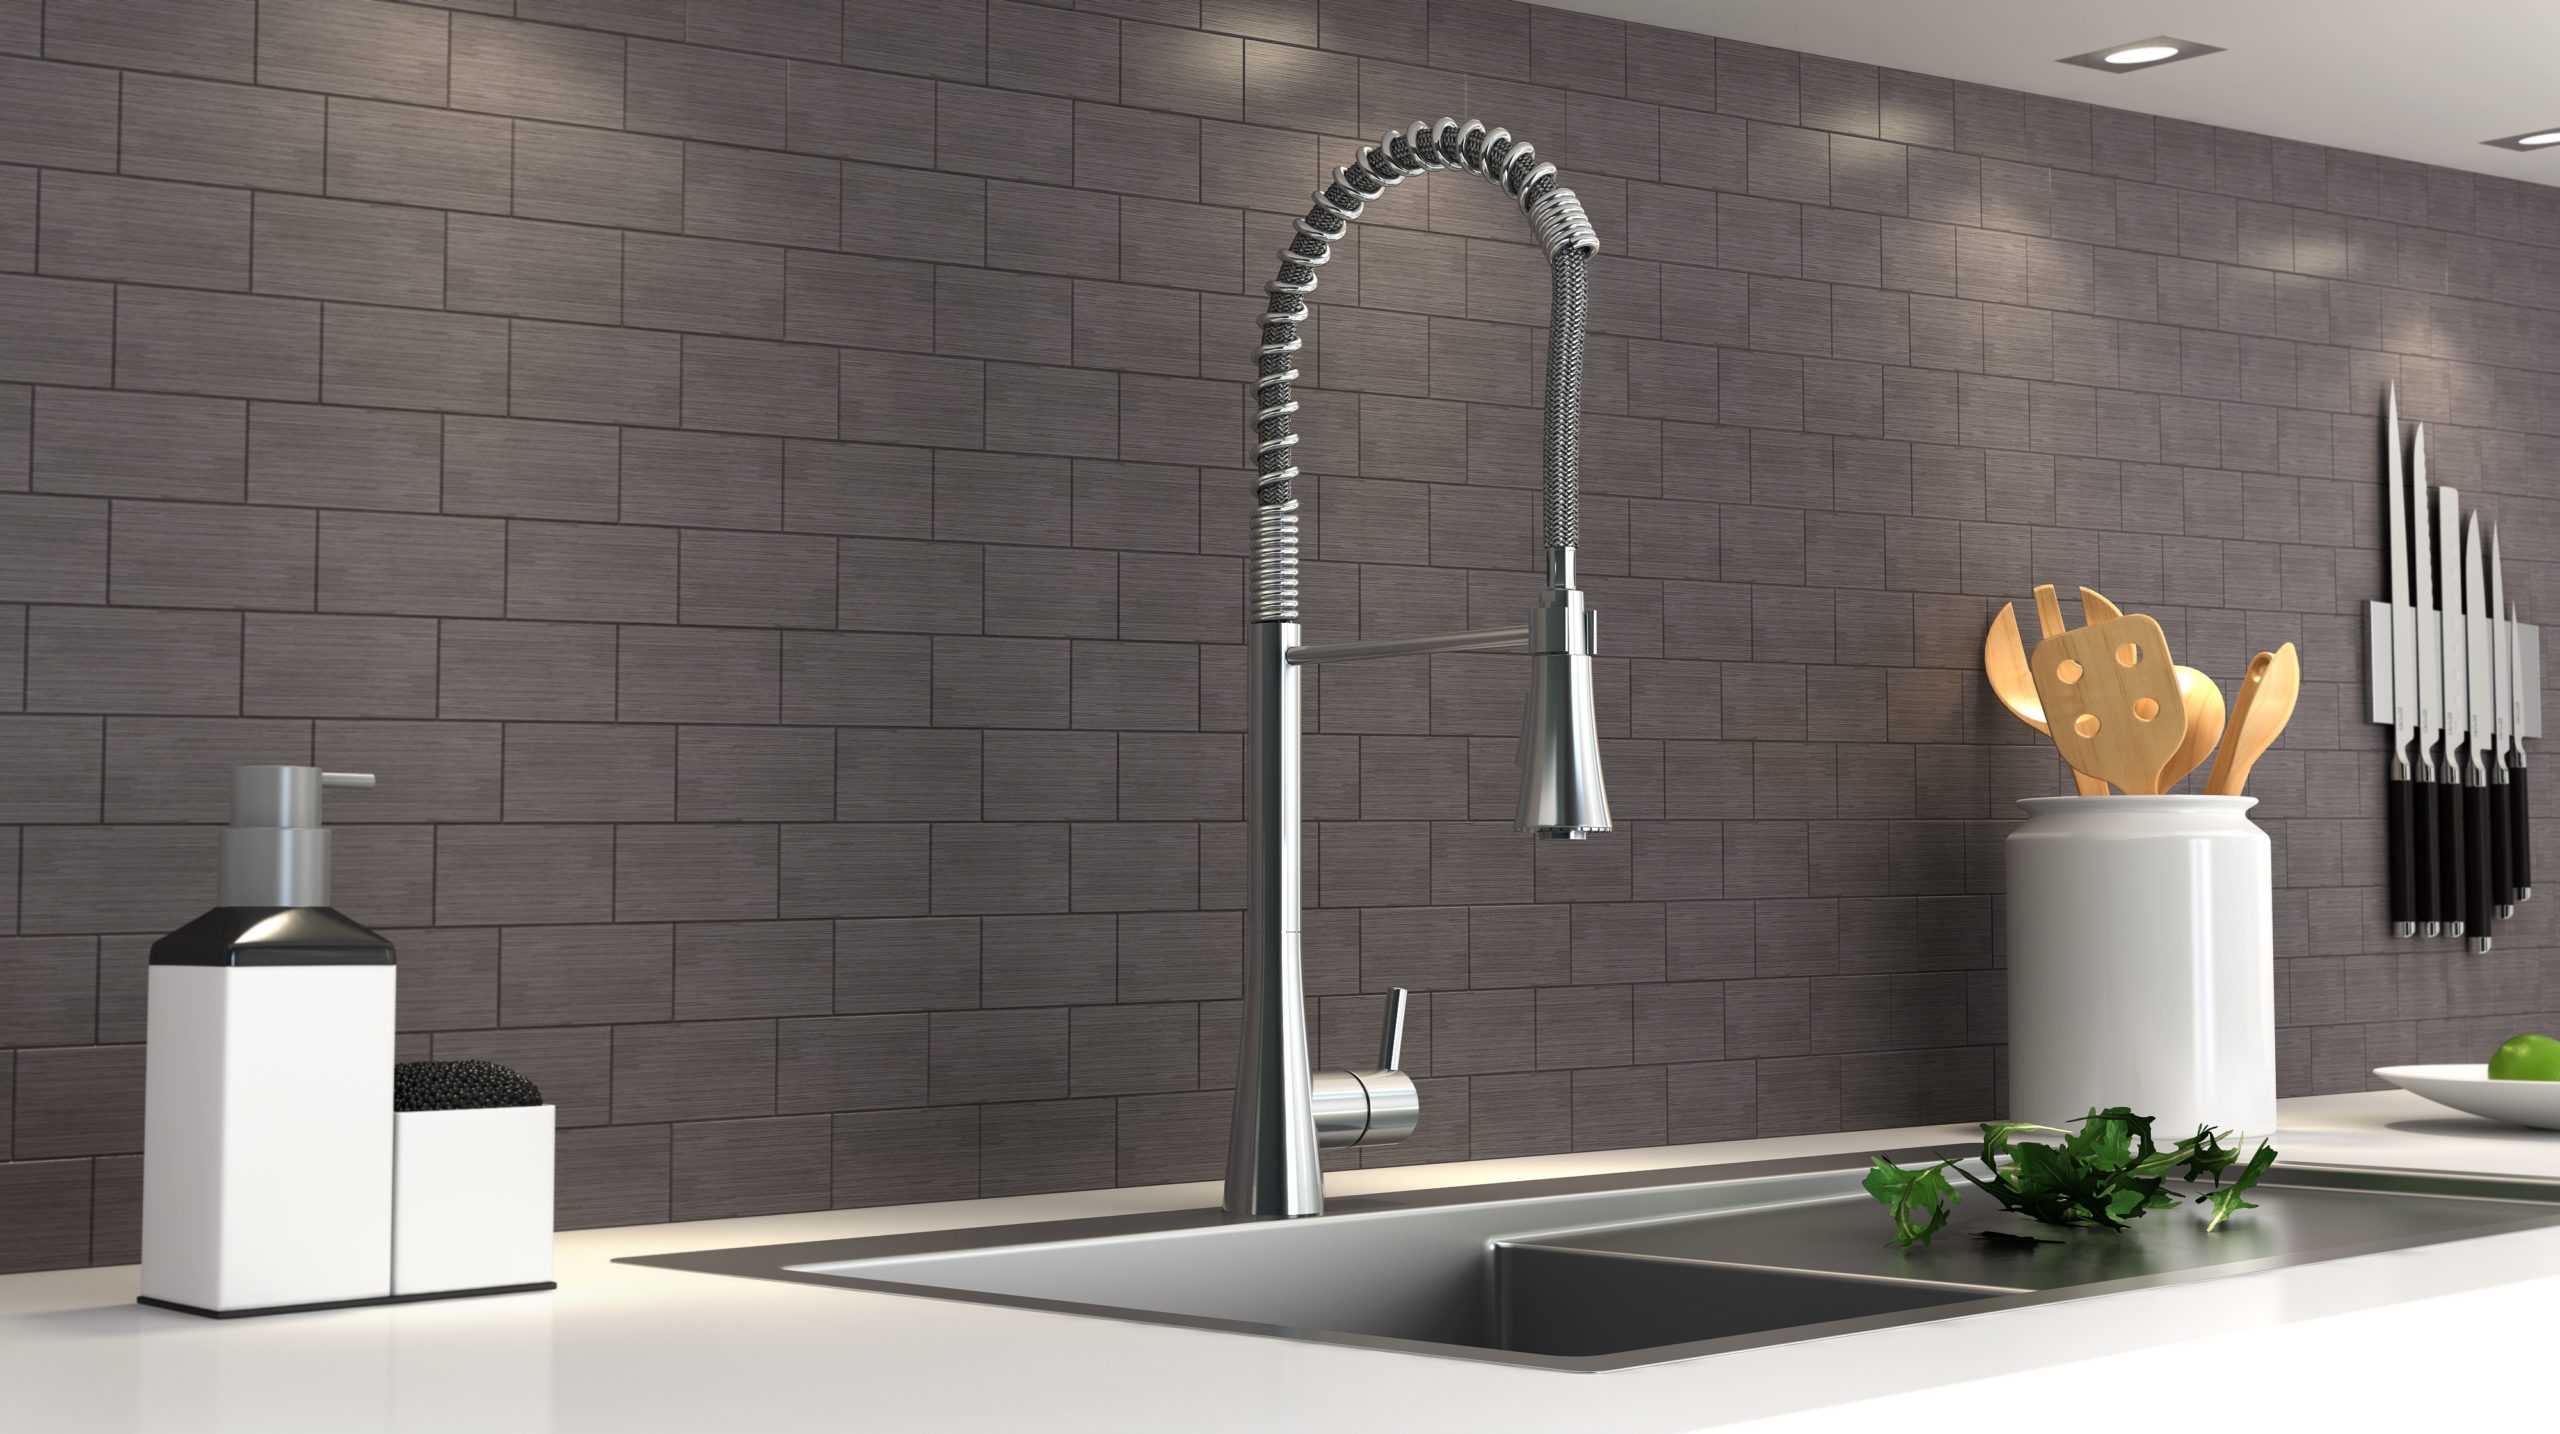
(2142, 962)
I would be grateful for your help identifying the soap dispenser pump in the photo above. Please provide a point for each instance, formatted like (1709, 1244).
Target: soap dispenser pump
(267, 1133)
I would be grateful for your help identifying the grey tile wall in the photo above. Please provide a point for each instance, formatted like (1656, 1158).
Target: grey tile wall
(764, 485)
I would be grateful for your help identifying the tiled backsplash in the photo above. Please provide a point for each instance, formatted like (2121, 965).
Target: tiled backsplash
(762, 482)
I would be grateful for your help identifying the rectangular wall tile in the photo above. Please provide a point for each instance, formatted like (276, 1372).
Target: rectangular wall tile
(161, 550)
(354, 47)
(732, 193)
(344, 457)
(328, 666)
(743, 386)
(529, 670)
(544, 271)
(589, 176)
(529, 874)
(367, 253)
(132, 660)
(407, 155)
(412, 564)
(585, 975)
(590, 572)
(147, 231)
(397, 358)
(246, 347)
(542, 72)
(594, 375)
(216, 39)
(695, 1071)
(223, 134)
(527, 468)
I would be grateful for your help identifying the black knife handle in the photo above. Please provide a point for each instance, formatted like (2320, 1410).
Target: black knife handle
(2502, 847)
(2476, 908)
(2422, 850)
(2452, 888)
(2520, 814)
(2403, 858)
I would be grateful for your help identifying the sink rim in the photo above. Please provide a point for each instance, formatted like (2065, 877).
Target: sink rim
(791, 1262)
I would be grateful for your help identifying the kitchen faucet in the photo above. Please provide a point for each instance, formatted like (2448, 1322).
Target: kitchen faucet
(1284, 1111)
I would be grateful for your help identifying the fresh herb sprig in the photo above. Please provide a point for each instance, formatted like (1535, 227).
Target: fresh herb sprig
(2107, 1173)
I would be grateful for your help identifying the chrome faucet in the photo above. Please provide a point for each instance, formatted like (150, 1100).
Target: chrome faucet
(1284, 1111)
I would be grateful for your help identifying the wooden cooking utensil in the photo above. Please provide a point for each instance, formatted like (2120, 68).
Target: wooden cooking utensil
(2204, 701)
(2258, 716)
(2049, 625)
(2204, 726)
(2004, 660)
(2111, 700)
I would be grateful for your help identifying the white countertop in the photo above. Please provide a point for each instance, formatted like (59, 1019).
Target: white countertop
(2414, 1336)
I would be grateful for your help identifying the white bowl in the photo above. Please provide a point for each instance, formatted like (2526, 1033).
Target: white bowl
(2468, 1089)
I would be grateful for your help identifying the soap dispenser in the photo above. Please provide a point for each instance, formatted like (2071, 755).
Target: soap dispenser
(267, 1134)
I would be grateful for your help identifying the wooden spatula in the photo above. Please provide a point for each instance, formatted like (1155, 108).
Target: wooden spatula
(2111, 700)
(2049, 625)
(2204, 701)
(2258, 716)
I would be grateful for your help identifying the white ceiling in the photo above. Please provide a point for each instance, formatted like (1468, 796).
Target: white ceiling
(2406, 78)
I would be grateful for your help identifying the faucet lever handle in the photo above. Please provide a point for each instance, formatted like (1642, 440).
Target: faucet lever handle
(1391, 1032)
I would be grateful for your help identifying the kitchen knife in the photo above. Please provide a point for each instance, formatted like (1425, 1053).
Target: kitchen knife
(2477, 864)
(2429, 640)
(2455, 655)
(2502, 702)
(2519, 811)
(2399, 812)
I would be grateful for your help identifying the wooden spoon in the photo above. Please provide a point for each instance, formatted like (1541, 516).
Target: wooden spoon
(2204, 726)
(2004, 658)
(2258, 717)
(2049, 625)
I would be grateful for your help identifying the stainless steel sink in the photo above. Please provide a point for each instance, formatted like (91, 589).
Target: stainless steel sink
(1612, 1272)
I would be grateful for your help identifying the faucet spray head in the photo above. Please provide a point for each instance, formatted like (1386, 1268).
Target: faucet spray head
(1563, 795)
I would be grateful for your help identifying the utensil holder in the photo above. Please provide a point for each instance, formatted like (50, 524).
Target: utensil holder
(471, 1200)
(2142, 962)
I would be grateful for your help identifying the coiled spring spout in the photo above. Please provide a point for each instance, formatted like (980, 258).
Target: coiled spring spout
(1556, 216)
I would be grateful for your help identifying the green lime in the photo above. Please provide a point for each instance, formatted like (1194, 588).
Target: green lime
(2528, 1057)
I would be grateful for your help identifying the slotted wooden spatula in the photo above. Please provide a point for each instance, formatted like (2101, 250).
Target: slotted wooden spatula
(2204, 701)
(2111, 700)
(2049, 624)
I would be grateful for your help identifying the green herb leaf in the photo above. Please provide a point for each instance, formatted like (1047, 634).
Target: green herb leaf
(1921, 1198)
(2226, 1202)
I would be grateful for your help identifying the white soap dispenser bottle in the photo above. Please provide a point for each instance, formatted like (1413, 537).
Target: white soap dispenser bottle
(266, 1174)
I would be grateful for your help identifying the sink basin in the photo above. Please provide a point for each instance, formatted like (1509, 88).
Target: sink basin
(1611, 1272)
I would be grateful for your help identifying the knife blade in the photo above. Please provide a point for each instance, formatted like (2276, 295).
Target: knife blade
(2477, 863)
(2455, 655)
(2429, 641)
(2502, 702)
(2400, 813)
(2519, 810)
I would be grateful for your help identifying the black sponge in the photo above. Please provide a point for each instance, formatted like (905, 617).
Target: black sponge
(458, 1085)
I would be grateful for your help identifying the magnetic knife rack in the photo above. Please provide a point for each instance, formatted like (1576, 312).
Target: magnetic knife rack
(2461, 691)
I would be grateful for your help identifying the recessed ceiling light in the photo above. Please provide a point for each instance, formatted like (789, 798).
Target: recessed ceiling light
(2536, 139)
(2141, 54)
